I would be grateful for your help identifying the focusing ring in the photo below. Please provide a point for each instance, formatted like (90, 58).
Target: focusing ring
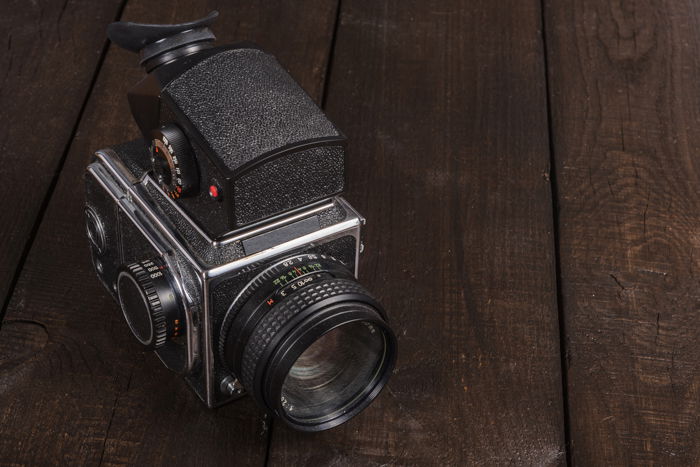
(249, 307)
(232, 313)
(283, 314)
(280, 314)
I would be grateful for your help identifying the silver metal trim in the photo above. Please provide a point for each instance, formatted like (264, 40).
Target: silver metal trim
(130, 195)
(282, 248)
(207, 344)
(128, 208)
(244, 232)
(98, 238)
(272, 225)
(189, 310)
(358, 249)
(124, 204)
(168, 231)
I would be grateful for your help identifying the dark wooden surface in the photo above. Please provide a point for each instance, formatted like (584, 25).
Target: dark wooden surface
(51, 53)
(624, 94)
(545, 315)
(451, 172)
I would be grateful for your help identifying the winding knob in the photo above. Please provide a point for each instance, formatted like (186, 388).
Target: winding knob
(173, 161)
(149, 302)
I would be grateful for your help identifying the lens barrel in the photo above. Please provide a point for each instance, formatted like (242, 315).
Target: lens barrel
(309, 342)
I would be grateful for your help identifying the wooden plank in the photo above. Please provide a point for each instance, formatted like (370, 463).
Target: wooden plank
(75, 388)
(444, 105)
(624, 96)
(51, 51)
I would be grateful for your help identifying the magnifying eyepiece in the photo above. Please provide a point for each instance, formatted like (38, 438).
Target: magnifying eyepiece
(162, 43)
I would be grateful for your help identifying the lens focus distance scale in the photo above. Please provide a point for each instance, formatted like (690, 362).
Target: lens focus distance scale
(271, 284)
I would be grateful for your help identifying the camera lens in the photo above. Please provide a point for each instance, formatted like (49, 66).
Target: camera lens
(309, 343)
(333, 372)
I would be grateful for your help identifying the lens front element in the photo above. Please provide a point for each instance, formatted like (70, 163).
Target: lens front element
(333, 372)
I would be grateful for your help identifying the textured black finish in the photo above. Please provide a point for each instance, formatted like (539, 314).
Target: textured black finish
(258, 137)
(135, 156)
(245, 105)
(308, 176)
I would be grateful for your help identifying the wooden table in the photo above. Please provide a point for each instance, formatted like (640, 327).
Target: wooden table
(529, 171)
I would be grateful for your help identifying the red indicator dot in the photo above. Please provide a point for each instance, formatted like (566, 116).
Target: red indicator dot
(179, 189)
(270, 301)
(214, 191)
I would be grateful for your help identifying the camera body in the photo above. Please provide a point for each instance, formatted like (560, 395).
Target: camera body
(222, 234)
(130, 219)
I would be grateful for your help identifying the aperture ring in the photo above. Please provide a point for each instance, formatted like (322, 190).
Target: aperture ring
(249, 306)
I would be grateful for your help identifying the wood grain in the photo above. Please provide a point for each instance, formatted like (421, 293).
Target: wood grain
(51, 51)
(625, 115)
(82, 392)
(444, 105)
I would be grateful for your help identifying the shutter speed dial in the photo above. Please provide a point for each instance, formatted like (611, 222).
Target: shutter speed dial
(149, 303)
(173, 161)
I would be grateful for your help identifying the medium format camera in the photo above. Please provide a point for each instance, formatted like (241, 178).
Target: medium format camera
(222, 236)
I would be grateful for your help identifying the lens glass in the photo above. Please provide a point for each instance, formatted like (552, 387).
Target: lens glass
(334, 372)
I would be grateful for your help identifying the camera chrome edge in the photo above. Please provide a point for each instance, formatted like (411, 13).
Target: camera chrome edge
(167, 236)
